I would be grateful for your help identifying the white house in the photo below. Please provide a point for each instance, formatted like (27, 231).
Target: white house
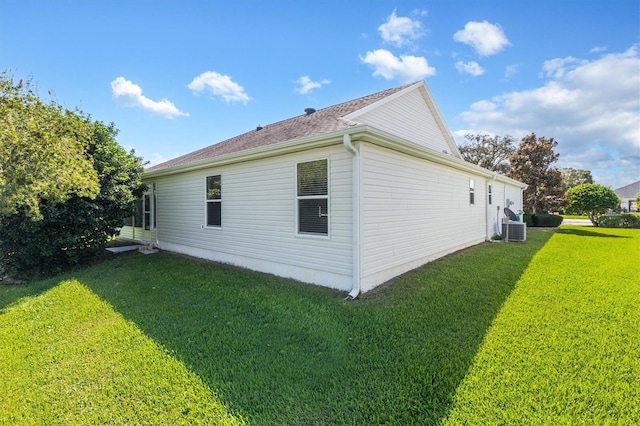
(346, 197)
(627, 195)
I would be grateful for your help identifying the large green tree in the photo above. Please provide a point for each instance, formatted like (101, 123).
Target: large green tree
(42, 151)
(573, 177)
(532, 163)
(591, 199)
(490, 152)
(51, 230)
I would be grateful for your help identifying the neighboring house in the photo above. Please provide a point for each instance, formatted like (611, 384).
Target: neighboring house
(627, 195)
(346, 197)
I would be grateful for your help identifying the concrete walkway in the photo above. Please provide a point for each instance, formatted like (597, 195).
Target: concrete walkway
(579, 222)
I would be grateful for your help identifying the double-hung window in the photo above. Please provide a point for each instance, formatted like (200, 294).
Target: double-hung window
(214, 201)
(313, 197)
(490, 194)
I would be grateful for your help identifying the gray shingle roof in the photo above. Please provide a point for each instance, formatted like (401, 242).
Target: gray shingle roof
(629, 191)
(322, 121)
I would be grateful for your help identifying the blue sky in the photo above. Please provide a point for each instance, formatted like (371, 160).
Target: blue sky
(175, 76)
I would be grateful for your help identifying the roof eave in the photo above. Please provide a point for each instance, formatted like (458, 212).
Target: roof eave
(360, 132)
(280, 148)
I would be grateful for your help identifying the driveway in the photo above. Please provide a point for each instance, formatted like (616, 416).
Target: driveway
(579, 222)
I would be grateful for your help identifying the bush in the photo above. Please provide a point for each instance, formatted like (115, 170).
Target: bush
(547, 220)
(78, 228)
(527, 217)
(624, 220)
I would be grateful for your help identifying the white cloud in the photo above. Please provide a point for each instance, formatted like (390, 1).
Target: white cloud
(219, 85)
(486, 38)
(131, 93)
(404, 68)
(511, 70)
(558, 67)
(400, 30)
(471, 68)
(590, 107)
(306, 85)
(598, 49)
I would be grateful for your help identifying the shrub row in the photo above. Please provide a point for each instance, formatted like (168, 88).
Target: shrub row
(543, 219)
(624, 220)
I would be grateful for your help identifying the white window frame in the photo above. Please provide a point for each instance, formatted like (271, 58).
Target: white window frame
(313, 197)
(207, 201)
(472, 192)
(490, 194)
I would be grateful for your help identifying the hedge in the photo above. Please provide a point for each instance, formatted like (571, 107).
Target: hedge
(624, 220)
(547, 220)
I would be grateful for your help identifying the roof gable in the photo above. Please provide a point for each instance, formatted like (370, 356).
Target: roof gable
(628, 191)
(334, 118)
(412, 115)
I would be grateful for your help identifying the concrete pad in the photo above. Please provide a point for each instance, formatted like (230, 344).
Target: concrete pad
(122, 249)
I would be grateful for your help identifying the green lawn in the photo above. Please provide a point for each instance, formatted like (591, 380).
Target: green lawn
(565, 347)
(163, 339)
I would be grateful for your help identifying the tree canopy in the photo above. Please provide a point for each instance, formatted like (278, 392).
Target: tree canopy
(69, 184)
(42, 151)
(573, 177)
(591, 199)
(490, 152)
(532, 163)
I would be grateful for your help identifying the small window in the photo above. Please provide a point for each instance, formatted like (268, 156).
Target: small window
(313, 197)
(472, 192)
(214, 201)
(490, 190)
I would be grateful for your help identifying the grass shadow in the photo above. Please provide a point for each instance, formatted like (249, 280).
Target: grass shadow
(585, 233)
(278, 352)
(11, 293)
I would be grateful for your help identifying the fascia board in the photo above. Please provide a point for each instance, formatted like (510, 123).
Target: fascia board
(360, 132)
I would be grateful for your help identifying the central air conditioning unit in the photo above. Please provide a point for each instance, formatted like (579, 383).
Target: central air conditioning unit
(512, 229)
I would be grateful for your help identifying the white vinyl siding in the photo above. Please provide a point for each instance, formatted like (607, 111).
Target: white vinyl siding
(259, 212)
(409, 117)
(413, 211)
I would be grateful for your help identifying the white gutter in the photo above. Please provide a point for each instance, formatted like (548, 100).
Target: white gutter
(355, 209)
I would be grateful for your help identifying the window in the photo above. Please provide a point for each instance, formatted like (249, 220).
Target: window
(144, 211)
(313, 197)
(472, 192)
(214, 200)
(136, 218)
(147, 211)
(490, 190)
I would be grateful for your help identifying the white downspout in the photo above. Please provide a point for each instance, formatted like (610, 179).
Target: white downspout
(355, 182)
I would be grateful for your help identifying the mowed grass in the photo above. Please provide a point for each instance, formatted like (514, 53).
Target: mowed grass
(565, 348)
(164, 339)
(66, 357)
